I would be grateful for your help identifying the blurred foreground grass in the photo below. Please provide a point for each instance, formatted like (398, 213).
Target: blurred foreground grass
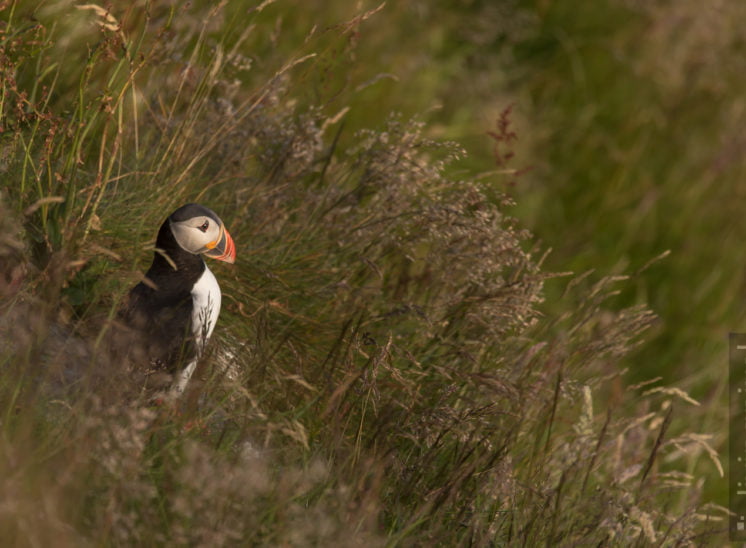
(389, 366)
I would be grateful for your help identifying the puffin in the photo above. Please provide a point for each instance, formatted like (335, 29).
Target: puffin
(170, 315)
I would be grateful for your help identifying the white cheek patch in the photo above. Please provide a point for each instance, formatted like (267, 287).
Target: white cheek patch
(190, 237)
(213, 234)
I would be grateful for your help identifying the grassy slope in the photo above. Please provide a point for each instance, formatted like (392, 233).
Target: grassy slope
(394, 380)
(629, 130)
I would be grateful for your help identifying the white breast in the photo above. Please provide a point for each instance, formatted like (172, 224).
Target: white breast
(205, 307)
(205, 311)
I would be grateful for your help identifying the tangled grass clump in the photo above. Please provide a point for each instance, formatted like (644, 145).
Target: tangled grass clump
(382, 372)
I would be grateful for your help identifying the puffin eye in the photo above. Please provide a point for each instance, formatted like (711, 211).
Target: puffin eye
(204, 226)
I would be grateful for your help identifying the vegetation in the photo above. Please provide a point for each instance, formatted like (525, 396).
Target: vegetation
(399, 360)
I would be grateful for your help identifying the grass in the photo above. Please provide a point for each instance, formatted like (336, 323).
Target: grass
(389, 367)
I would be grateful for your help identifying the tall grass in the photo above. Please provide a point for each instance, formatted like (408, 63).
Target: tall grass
(382, 372)
(628, 120)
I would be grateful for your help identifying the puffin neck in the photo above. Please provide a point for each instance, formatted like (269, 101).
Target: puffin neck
(189, 266)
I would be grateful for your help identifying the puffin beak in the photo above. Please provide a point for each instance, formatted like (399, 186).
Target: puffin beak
(222, 249)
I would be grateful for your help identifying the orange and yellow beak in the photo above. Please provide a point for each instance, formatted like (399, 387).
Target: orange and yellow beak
(222, 249)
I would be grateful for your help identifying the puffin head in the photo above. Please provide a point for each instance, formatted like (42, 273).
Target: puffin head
(200, 231)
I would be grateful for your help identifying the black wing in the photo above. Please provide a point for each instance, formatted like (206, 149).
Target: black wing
(160, 326)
